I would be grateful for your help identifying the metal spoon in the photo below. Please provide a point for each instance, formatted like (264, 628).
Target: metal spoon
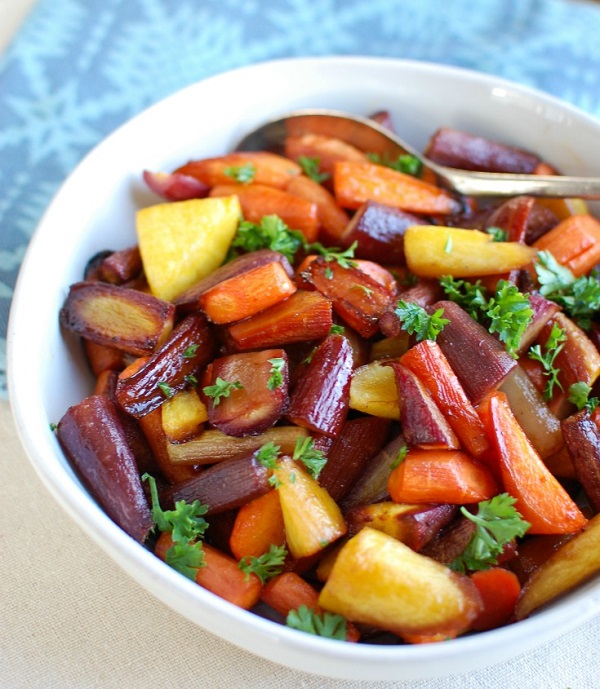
(368, 135)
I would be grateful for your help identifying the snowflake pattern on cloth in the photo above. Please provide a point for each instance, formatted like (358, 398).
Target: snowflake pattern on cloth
(80, 68)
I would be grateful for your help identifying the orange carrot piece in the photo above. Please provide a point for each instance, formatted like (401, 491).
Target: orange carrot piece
(332, 219)
(133, 367)
(258, 200)
(288, 591)
(257, 526)
(269, 168)
(220, 574)
(427, 361)
(541, 499)
(499, 590)
(574, 242)
(441, 476)
(357, 182)
(248, 293)
(328, 150)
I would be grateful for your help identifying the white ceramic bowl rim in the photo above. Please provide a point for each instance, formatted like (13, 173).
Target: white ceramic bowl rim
(34, 412)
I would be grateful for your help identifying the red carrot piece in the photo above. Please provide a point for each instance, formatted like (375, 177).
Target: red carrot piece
(499, 589)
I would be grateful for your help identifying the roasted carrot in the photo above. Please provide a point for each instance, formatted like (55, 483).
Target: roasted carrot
(327, 150)
(135, 366)
(102, 357)
(541, 499)
(574, 242)
(374, 270)
(303, 316)
(357, 182)
(258, 200)
(332, 219)
(288, 591)
(248, 293)
(220, 574)
(427, 361)
(257, 526)
(263, 168)
(441, 476)
(498, 589)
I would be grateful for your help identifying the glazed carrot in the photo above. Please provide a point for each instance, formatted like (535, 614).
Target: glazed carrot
(220, 574)
(498, 589)
(258, 200)
(441, 476)
(303, 316)
(357, 182)
(257, 526)
(332, 219)
(541, 499)
(248, 293)
(269, 168)
(133, 367)
(288, 591)
(328, 150)
(374, 270)
(574, 242)
(427, 361)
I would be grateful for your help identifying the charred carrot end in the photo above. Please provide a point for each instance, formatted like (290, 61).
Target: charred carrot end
(499, 590)
(427, 361)
(260, 167)
(541, 499)
(574, 242)
(441, 476)
(288, 591)
(246, 294)
(358, 182)
(258, 200)
(258, 525)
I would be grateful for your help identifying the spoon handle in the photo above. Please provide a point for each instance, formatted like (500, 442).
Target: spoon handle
(501, 184)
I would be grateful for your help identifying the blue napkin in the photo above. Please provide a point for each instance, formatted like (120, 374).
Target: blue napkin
(79, 68)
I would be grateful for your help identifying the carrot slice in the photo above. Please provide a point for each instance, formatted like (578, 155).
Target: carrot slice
(328, 150)
(258, 200)
(499, 590)
(269, 168)
(574, 242)
(541, 499)
(332, 219)
(357, 182)
(441, 476)
(220, 574)
(258, 525)
(248, 293)
(288, 591)
(427, 361)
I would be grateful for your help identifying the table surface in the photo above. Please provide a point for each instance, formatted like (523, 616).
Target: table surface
(71, 619)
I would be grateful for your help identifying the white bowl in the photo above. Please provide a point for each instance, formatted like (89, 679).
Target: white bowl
(94, 210)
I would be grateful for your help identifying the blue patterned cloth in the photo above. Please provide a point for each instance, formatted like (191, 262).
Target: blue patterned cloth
(79, 68)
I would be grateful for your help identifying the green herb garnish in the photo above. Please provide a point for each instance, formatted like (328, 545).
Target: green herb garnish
(272, 233)
(314, 460)
(405, 163)
(579, 395)
(498, 523)
(553, 346)
(166, 389)
(498, 234)
(221, 388)
(265, 566)
(310, 167)
(276, 376)
(326, 624)
(416, 321)
(241, 173)
(343, 258)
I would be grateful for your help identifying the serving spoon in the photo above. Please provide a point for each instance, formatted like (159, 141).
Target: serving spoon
(368, 135)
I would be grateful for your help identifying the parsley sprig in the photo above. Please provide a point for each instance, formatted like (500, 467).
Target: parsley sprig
(546, 357)
(271, 233)
(186, 525)
(306, 453)
(579, 395)
(405, 163)
(221, 388)
(276, 375)
(241, 173)
(497, 523)
(267, 455)
(416, 321)
(579, 297)
(265, 566)
(310, 167)
(507, 312)
(326, 624)
(342, 257)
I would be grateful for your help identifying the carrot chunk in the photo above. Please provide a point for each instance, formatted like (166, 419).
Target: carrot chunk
(258, 525)
(357, 182)
(574, 242)
(499, 590)
(541, 499)
(441, 476)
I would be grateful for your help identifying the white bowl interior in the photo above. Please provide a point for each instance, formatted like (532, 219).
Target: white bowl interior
(94, 210)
